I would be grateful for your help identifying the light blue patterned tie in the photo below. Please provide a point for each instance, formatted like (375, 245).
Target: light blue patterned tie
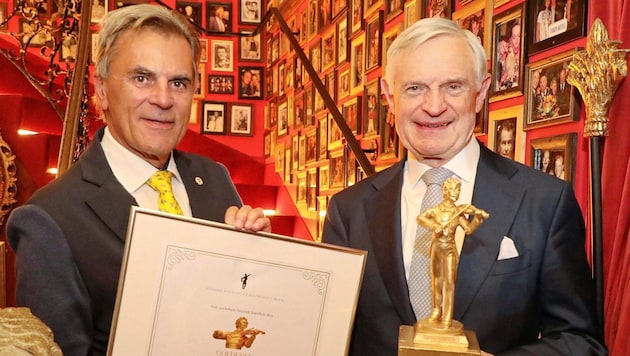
(419, 272)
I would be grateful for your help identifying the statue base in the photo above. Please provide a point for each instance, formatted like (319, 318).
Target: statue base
(426, 338)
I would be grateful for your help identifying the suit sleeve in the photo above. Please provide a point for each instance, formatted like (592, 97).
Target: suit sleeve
(334, 230)
(566, 289)
(48, 281)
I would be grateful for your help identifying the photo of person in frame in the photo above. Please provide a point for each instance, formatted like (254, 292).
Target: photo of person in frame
(250, 11)
(505, 137)
(508, 53)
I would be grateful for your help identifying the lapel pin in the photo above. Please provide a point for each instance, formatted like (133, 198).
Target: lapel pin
(198, 180)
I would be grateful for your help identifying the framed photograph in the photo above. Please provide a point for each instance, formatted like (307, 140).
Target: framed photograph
(473, 18)
(555, 155)
(342, 40)
(311, 189)
(350, 164)
(219, 17)
(214, 118)
(220, 84)
(100, 8)
(390, 143)
(250, 12)
(283, 118)
(194, 113)
(374, 41)
(393, 8)
(369, 6)
(302, 152)
(324, 177)
(249, 82)
(279, 161)
(356, 16)
(39, 38)
(505, 136)
(344, 84)
(413, 11)
(352, 113)
(549, 98)
(481, 120)
(301, 188)
(372, 94)
(241, 118)
(507, 54)
(311, 145)
(200, 93)
(334, 134)
(251, 49)
(222, 55)
(357, 64)
(388, 37)
(438, 8)
(329, 45)
(322, 132)
(203, 55)
(267, 144)
(313, 18)
(552, 23)
(337, 169)
(338, 6)
(287, 166)
(192, 11)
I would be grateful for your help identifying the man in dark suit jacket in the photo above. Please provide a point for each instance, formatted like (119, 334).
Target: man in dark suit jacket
(69, 237)
(563, 95)
(523, 283)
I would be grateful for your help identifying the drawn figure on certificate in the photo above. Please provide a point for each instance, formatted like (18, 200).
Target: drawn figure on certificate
(240, 337)
(244, 280)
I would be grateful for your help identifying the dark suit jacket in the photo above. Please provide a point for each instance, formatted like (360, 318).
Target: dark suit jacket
(69, 240)
(546, 289)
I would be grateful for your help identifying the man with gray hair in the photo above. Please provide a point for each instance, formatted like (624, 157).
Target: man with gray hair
(523, 281)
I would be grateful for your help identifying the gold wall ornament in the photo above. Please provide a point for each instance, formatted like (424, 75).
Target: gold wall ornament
(8, 185)
(597, 73)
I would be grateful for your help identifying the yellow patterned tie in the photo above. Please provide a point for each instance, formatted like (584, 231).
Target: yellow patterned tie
(160, 181)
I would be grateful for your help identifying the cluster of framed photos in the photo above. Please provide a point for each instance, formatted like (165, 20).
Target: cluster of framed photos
(231, 70)
(346, 43)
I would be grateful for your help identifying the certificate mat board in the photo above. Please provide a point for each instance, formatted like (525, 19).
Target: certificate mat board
(185, 282)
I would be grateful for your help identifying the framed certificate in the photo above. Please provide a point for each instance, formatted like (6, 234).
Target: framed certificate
(194, 287)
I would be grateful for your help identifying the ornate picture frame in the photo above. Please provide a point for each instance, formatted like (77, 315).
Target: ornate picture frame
(549, 98)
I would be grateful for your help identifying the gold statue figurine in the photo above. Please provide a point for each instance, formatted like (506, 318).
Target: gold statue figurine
(597, 73)
(439, 334)
(240, 337)
(443, 220)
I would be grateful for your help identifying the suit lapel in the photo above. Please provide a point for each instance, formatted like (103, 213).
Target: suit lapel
(109, 198)
(382, 212)
(495, 193)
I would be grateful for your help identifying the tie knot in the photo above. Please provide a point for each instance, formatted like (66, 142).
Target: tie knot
(161, 181)
(436, 175)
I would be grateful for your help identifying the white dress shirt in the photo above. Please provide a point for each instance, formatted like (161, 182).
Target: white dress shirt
(133, 172)
(464, 168)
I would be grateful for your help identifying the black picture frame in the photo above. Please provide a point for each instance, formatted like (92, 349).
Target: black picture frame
(220, 84)
(250, 88)
(192, 10)
(212, 23)
(562, 26)
(214, 117)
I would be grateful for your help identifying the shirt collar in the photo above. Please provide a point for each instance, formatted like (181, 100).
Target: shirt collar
(463, 164)
(130, 170)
